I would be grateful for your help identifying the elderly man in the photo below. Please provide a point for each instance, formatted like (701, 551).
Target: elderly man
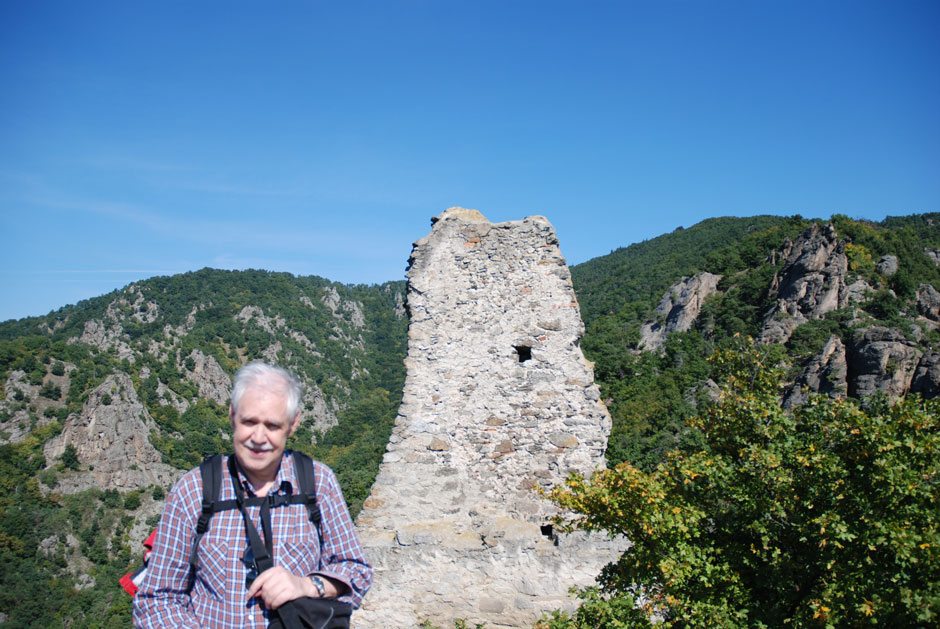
(221, 590)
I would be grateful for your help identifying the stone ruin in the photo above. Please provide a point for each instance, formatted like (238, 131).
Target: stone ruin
(498, 401)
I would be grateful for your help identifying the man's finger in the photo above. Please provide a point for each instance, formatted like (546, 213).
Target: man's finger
(260, 580)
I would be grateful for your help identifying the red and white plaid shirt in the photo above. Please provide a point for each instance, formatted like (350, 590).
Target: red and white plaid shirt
(215, 595)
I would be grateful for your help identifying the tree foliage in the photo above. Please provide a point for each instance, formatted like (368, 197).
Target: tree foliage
(826, 516)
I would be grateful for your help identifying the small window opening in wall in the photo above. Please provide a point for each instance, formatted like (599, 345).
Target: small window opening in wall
(549, 532)
(524, 351)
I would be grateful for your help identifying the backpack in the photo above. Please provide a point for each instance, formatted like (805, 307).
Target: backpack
(211, 472)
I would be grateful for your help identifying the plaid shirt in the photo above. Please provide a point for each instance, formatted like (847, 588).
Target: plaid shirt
(215, 595)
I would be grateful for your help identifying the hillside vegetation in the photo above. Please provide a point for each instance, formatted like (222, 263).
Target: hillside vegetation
(650, 393)
(160, 352)
(151, 362)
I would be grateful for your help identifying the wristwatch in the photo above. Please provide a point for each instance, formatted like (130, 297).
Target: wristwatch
(319, 584)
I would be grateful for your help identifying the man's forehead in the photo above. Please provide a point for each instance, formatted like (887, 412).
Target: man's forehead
(263, 396)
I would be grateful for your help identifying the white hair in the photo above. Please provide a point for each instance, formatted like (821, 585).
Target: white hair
(258, 373)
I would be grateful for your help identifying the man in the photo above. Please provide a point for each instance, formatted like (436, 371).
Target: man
(264, 412)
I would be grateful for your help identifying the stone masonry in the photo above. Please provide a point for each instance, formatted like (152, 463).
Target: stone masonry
(498, 402)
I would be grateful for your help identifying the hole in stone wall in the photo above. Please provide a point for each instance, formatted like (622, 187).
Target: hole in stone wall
(549, 532)
(524, 351)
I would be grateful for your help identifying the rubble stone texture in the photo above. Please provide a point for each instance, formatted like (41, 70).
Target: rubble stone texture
(498, 401)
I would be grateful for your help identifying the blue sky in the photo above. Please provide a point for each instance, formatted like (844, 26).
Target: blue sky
(153, 138)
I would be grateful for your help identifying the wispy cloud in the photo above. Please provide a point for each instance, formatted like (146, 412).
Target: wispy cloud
(263, 233)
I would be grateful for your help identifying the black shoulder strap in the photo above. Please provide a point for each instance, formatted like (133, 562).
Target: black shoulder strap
(303, 465)
(211, 472)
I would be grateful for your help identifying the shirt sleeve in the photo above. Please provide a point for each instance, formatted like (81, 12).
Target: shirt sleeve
(163, 599)
(341, 556)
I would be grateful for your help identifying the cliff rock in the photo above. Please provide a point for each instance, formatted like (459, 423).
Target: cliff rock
(825, 373)
(809, 284)
(678, 309)
(209, 378)
(928, 302)
(881, 360)
(110, 438)
(926, 381)
(887, 265)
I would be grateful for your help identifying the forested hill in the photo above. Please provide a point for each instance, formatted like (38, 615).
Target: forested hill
(850, 307)
(640, 273)
(106, 402)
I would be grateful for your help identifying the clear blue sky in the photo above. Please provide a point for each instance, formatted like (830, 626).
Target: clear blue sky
(152, 138)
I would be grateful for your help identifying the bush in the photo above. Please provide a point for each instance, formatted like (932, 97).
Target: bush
(132, 500)
(826, 516)
(69, 457)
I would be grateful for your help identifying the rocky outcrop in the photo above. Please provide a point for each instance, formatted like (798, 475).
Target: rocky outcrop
(678, 309)
(105, 336)
(928, 302)
(110, 438)
(926, 381)
(209, 377)
(887, 265)
(809, 285)
(256, 314)
(498, 402)
(338, 306)
(825, 373)
(881, 360)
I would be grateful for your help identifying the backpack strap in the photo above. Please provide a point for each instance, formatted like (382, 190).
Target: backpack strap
(211, 472)
(303, 466)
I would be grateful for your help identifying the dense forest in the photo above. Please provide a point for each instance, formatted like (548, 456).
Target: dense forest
(63, 547)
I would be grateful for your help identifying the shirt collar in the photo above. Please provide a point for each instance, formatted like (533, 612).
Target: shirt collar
(284, 475)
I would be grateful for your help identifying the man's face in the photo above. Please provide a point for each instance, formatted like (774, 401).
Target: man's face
(260, 431)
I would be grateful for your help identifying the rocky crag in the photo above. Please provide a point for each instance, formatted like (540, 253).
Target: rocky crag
(498, 402)
(678, 309)
(815, 281)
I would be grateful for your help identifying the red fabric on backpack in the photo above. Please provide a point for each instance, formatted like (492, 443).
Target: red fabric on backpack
(130, 581)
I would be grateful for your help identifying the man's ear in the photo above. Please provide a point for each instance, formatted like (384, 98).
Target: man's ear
(294, 424)
(231, 414)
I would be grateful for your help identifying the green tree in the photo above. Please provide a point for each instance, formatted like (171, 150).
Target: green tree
(826, 516)
(69, 457)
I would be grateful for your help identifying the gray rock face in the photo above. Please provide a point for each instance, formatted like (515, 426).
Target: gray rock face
(926, 379)
(881, 359)
(887, 265)
(809, 285)
(825, 373)
(498, 401)
(678, 309)
(209, 378)
(110, 439)
(857, 292)
(928, 302)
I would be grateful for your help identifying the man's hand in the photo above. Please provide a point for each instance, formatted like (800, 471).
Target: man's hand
(276, 586)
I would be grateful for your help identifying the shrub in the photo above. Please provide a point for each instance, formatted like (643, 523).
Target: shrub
(823, 516)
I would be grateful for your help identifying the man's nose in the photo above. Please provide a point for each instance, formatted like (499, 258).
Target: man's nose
(258, 435)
